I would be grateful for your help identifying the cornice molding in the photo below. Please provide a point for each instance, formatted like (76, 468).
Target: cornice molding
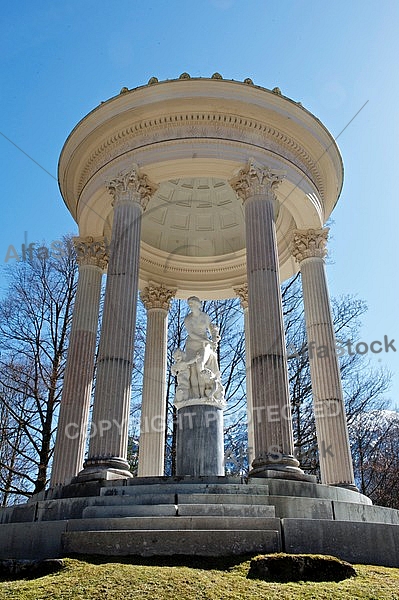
(198, 126)
(159, 265)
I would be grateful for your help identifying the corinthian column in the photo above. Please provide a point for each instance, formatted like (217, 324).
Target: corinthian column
(109, 432)
(274, 444)
(309, 249)
(156, 299)
(75, 401)
(242, 293)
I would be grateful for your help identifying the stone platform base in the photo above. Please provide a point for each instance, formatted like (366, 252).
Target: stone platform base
(204, 516)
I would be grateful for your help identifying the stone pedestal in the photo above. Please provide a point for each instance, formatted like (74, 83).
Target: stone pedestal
(75, 402)
(199, 397)
(309, 249)
(273, 436)
(199, 444)
(109, 432)
(156, 299)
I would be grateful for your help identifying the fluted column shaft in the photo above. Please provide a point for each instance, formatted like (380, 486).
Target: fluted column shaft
(76, 393)
(270, 393)
(110, 421)
(331, 427)
(242, 293)
(153, 408)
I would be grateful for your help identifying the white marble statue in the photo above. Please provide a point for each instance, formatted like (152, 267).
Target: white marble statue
(196, 368)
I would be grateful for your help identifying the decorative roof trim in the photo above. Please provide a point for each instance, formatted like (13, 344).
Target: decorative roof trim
(199, 125)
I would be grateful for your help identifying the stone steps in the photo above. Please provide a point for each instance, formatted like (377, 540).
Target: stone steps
(216, 498)
(184, 498)
(141, 498)
(176, 523)
(232, 510)
(183, 480)
(185, 510)
(170, 542)
(164, 516)
(285, 507)
(133, 510)
(184, 488)
(195, 520)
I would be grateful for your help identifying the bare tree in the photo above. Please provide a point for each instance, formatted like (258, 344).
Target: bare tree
(375, 446)
(35, 318)
(13, 448)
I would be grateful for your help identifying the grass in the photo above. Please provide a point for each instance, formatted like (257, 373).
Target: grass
(189, 579)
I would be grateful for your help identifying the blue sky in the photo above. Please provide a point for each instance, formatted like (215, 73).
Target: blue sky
(59, 60)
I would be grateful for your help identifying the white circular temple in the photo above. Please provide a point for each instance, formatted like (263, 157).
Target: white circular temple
(208, 187)
(198, 189)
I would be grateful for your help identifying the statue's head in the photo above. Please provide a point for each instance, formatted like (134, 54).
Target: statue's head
(178, 355)
(194, 300)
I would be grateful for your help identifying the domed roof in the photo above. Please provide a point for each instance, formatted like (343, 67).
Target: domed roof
(190, 136)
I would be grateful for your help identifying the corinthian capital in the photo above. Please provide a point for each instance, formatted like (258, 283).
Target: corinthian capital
(91, 251)
(309, 243)
(157, 296)
(131, 186)
(256, 180)
(242, 293)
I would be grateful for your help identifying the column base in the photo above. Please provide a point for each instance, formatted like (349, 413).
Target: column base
(286, 467)
(297, 475)
(347, 486)
(107, 468)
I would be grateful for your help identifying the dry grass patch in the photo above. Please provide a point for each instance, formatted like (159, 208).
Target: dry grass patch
(191, 579)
